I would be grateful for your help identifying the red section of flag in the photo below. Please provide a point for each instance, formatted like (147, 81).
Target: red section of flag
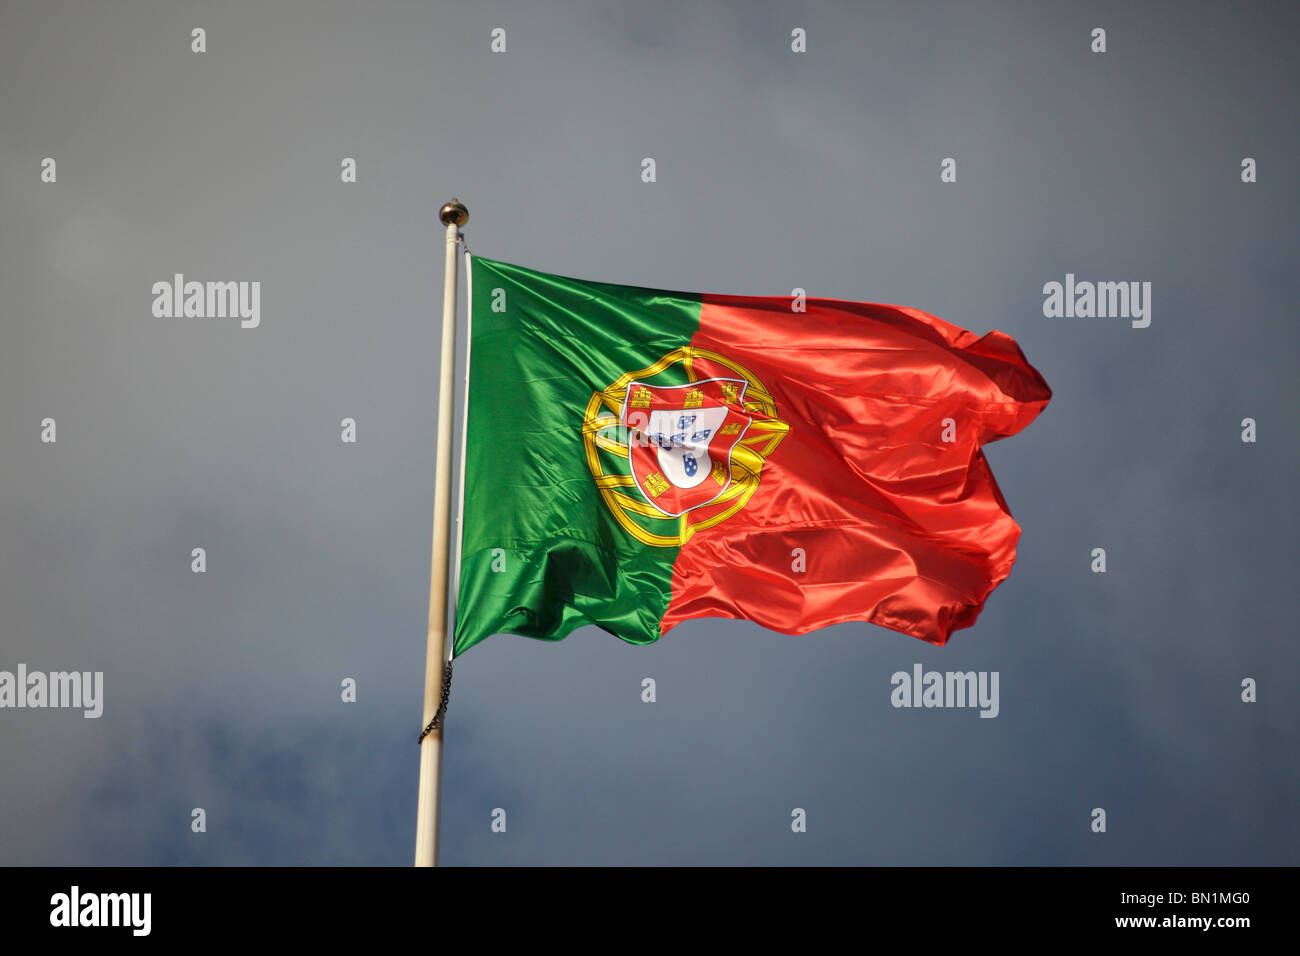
(890, 523)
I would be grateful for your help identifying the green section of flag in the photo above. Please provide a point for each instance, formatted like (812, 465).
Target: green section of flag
(541, 552)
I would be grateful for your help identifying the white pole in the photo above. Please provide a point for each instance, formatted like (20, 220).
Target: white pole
(453, 216)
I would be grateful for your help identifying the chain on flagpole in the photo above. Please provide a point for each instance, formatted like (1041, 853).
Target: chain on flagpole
(442, 705)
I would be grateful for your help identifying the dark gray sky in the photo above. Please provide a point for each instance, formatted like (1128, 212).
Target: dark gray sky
(775, 170)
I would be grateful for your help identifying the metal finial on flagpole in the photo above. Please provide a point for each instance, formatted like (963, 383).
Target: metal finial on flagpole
(454, 213)
(437, 674)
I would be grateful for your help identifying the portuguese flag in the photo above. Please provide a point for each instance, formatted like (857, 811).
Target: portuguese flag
(636, 458)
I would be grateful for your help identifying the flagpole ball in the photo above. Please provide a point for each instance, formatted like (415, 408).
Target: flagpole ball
(454, 213)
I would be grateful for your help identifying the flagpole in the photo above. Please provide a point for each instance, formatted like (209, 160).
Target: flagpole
(453, 216)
